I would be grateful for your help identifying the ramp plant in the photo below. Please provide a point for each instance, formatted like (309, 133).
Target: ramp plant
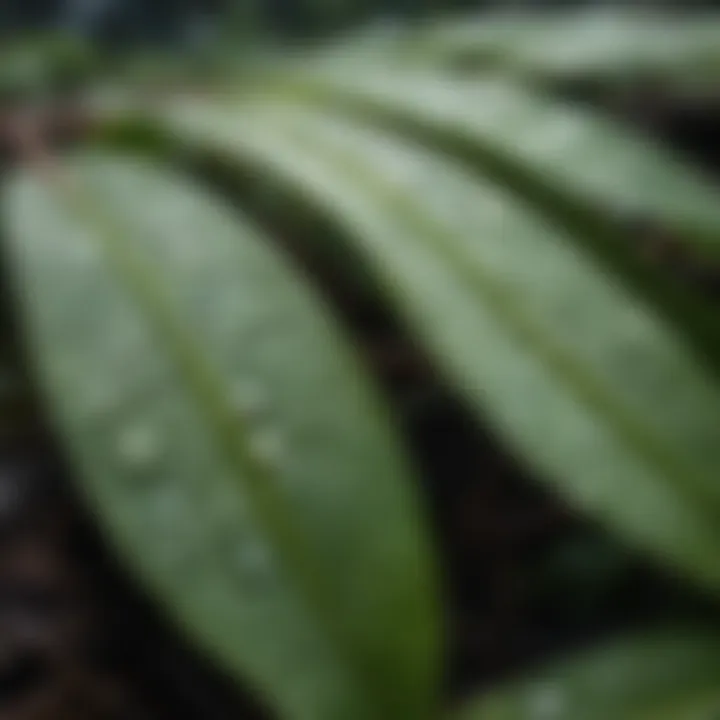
(236, 449)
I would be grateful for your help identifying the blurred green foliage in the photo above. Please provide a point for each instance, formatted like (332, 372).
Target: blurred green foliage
(126, 21)
(250, 485)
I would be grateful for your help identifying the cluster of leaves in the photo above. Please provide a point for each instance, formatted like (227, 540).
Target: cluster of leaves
(229, 436)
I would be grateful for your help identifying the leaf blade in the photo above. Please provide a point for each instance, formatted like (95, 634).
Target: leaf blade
(604, 44)
(524, 324)
(275, 490)
(668, 674)
(590, 162)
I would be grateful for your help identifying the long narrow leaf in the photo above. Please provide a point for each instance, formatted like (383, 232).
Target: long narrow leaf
(586, 160)
(605, 44)
(582, 377)
(227, 439)
(670, 675)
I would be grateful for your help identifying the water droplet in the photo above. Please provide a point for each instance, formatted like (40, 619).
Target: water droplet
(99, 398)
(269, 445)
(547, 702)
(254, 560)
(248, 399)
(81, 251)
(139, 445)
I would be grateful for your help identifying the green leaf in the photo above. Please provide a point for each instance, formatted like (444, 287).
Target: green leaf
(669, 675)
(606, 44)
(584, 160)
(227, 439)
(29, 66)
(583, 378)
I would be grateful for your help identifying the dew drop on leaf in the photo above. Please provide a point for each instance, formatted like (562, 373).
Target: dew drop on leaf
(254, 561)
(547, 703)
(99, 399)
(269, 446)
(139, 445)
(249, 399)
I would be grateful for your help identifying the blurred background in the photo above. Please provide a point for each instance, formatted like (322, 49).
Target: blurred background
(187, 21)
